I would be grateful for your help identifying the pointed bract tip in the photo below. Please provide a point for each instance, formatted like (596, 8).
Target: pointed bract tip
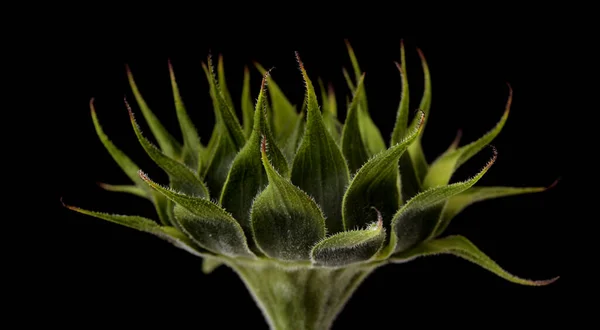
(347, 42)
(401, 43)
(360, 81)
(128, 108)
(299, 61)
(171, 71)
(554, 184)
(264, 82)
(493, 159)
(127, 69)
(545, 282)
(143, 175)
(345, 73)
(494, 150)
(510, 90)
(399, 66)
(265, 78)
(92, 108)
(330, 88)
(421, 119)
(66, 205)
(379, 218)
(456, 139)
(263, 144)
(210, 64)
(509, 99)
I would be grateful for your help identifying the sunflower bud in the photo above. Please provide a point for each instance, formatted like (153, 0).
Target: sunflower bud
(301, 206)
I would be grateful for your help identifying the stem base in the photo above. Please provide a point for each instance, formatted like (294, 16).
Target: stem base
(306, 298)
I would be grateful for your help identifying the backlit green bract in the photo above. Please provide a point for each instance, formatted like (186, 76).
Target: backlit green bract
(300, 205)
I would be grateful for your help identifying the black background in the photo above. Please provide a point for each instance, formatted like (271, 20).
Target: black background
(107, 273)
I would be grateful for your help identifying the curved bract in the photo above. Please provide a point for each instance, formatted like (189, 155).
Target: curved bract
(300, 196)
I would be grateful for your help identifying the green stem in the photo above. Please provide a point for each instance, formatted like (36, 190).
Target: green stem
(301, 298)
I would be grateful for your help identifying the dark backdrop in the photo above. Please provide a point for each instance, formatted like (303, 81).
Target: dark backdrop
(105, 272)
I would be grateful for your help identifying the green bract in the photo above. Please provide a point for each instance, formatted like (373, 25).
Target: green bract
(302, 206)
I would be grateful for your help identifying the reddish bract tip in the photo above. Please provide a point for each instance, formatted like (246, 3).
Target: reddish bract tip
(92, 105)
(67, 206)
(265, 77)
(421, 119)
(510, 97)
(170, 65)
(128, 108)
(456, 139)
(421, 54)
(494, 157)
(399, 67)
(263, 145)
(264, 81)
(330, 89)
(299, 61)
(143, 175)
(379, 218)
(210, 62)
(546, 282)
(553, 184)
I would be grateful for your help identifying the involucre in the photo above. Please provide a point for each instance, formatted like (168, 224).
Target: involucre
(301, 206)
